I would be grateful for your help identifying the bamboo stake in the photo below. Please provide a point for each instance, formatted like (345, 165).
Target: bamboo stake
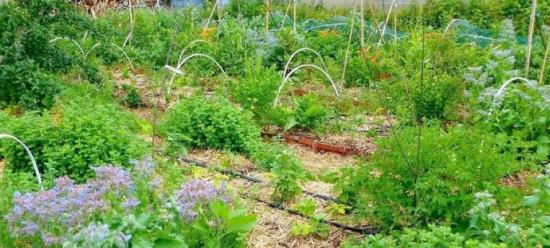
(386, 24)
(374, 19)
(543, 68)
(294, 15)
(395, 24)
(267, 6)
(349, 44)
(286, 13)
(362, 30)
(530, 37)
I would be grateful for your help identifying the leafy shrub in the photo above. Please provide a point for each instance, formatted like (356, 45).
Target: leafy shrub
(438, 98)
(22, 38)
(256, 90)
(311, 112)
(132, 98)
(288, 172)
(92, 72)
(25, 84)
(72, 139)
(435, 236)
(215, 123)
(439, 185)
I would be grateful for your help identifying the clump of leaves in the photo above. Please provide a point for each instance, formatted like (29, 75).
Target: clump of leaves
(306, 207)
(23, 83)
(73, 138)
(426, 186)
(288, 172)
(256, 90)
(132, 97)
(214, 123)
(311, 112)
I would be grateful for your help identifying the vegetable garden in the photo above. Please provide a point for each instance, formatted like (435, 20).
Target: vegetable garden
(270, 123)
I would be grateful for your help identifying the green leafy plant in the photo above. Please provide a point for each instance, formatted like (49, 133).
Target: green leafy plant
(215, 123)
(306, 207)
(256, 90)
(311, 112)
(72, 139)
(288, 173)
(427, 186)
(223, 228)
(132, 98)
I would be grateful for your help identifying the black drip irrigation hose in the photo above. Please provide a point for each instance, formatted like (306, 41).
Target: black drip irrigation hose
(254, 179)
(358, 229)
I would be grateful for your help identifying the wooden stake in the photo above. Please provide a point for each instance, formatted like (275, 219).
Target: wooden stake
(267, 6)
(543, 68)
(294, 27)
(362, 30)
(530, 38)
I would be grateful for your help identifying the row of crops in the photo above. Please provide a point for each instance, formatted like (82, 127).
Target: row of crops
(275, 124)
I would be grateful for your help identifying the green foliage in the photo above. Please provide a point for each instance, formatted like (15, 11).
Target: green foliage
(288, 173)
(132, 98)
(525, 115)
(72, 139)
(10, 183)
(306, 207)
(22, 38)
(484, 13)
(25, 84)
(221, 227)
(435, 236)
(436, 185)
(437, 91)
(256, 90)
(248, 9)
(311, 112)
(214, 123)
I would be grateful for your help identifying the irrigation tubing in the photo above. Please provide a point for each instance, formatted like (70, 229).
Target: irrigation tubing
(360, 229)
(254, 179)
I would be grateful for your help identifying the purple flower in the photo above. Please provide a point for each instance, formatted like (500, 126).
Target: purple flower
(195, 193)
(145, 167)
(69, 206)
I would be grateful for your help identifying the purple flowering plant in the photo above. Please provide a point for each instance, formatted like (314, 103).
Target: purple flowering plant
(120, 207)
(67, 206)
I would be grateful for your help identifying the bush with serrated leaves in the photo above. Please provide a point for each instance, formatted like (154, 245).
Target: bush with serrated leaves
(409, 185)
(72, 138)
(213, 123)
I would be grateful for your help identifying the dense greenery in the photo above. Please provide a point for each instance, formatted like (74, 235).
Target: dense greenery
(214, 123)
(411, 184)
(73, 137)
(459, 160)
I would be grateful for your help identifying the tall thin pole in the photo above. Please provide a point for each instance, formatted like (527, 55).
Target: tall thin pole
(543, 67)
(530, 38)
(267, 6)
(362, 30)
(294, 16)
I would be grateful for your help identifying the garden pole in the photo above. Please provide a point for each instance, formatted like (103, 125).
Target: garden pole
(530, 37)
(362, 30)
(267, 6)
(346, 58)
(543, 67)
(294, 16)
